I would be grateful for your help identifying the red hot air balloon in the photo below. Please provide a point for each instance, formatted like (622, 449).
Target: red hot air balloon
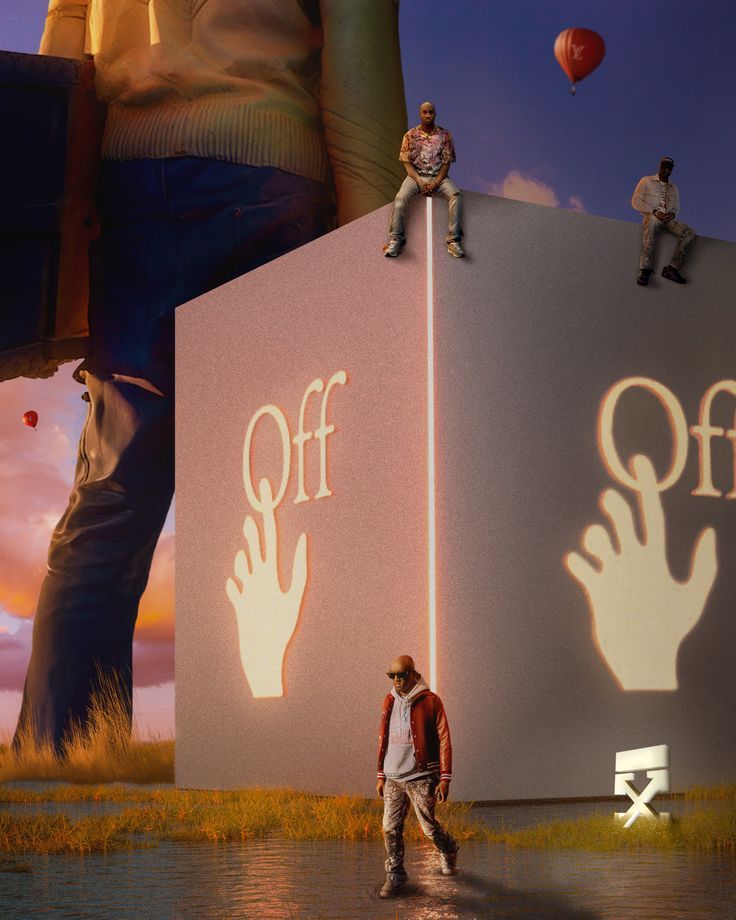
(579, 52)
(30, 418)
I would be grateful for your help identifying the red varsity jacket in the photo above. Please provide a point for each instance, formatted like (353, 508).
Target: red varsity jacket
(429, 730)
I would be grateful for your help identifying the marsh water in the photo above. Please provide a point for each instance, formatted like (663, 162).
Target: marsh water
(277, 879)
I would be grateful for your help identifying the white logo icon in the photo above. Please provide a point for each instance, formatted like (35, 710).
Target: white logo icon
(655, 761)
(640, 612)
(267, 615)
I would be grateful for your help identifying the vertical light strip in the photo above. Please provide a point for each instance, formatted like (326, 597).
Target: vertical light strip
(431, 536)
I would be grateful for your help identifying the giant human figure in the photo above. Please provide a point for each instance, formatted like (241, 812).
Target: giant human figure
(236, 130)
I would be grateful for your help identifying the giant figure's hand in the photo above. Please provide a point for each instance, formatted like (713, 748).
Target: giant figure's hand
(640, 612)
(267, 616)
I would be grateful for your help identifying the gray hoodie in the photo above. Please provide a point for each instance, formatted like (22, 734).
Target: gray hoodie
(400, 762)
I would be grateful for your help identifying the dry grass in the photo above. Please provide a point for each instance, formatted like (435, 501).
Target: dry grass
(243, 815)
(703, 831)
(108, 792)
(170, 814)
(104, 754)
(100, 752)
(724, 792)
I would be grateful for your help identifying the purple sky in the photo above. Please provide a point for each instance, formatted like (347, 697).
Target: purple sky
(665, 86)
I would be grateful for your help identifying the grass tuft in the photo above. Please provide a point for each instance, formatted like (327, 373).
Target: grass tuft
(101, 751)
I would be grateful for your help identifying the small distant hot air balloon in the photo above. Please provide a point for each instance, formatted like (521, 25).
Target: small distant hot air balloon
(579, 52)
(30, 418)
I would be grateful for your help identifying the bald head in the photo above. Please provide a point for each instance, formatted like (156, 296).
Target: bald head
(403, 663)
(427, 116)
(405, 675)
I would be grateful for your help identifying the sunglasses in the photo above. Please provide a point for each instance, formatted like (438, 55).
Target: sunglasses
(402, 675)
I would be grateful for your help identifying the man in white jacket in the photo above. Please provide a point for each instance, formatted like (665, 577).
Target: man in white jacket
(658, 200)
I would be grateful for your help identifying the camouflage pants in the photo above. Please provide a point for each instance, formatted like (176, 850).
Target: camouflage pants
(650, 227)
(422, 794)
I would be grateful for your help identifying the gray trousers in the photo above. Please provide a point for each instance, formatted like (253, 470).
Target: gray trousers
(650, 227)
(409, 189)
(397, 796)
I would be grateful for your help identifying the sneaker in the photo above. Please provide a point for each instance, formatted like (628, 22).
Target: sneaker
(392, 886)
(454, 247)
(643, 276)
(670, 272)
(448, 863)
(392, 249)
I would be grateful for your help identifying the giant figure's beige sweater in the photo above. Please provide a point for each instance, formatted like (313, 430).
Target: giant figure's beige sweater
(313, 87)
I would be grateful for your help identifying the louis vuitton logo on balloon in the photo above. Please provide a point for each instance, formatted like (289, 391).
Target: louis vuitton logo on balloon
(266, 614)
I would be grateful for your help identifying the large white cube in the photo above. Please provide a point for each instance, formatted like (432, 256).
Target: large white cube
(551, 370)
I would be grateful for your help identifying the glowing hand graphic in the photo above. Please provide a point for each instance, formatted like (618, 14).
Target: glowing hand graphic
(640, 612)
(267, 616)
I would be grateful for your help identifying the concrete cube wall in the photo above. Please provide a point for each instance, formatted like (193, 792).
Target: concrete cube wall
(532, 330)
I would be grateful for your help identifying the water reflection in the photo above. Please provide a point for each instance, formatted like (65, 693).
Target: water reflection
(334, 879)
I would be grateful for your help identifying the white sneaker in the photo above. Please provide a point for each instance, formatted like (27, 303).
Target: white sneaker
(448, 863)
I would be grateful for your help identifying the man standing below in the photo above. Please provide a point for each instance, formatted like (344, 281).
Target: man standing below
(659, 201)
(414, 766)
(235, 129)
(426, 153)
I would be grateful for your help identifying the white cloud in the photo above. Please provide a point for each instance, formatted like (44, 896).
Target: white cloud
(522, 187)
(8, 623)
(575, 203)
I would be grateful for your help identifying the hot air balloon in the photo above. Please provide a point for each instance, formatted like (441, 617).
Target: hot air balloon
(579, 52)
(30, 418)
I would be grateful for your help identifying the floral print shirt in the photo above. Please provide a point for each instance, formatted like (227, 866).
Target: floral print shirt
(427, 152)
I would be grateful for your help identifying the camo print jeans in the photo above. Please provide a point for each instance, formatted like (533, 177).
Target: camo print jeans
(422, 794)
(650, 227)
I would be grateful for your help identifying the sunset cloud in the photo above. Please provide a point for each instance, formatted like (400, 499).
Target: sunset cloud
(152, 664)
(575, 203)
(522, 187)
(15, 651)
(156, 615)
(37, 471)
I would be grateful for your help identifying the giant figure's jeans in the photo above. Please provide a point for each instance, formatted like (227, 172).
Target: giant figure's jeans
(172, 230)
